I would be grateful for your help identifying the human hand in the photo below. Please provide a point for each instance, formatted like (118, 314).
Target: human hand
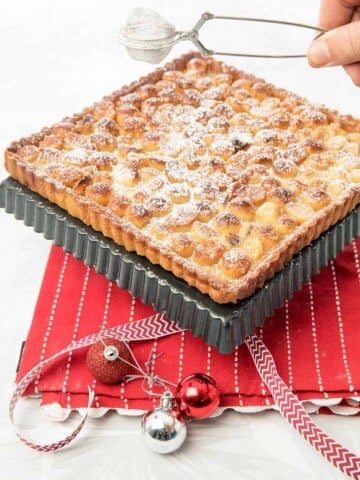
(340, 45)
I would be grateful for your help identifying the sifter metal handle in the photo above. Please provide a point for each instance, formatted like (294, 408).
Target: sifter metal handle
(149, 37)
(193, 35)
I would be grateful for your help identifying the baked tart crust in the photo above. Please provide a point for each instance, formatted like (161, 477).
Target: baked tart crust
(210, 172)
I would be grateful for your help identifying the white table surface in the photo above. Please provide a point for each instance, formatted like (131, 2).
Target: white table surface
(55, 58)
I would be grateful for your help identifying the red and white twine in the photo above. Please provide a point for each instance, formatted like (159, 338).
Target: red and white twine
(158, 326)
(147, 328)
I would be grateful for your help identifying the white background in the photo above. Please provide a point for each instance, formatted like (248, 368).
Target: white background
(57, 57)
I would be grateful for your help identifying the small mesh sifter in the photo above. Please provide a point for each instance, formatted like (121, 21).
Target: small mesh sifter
(148, 37)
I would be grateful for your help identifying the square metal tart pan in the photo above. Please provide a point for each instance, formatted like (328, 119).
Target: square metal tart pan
(221, 325)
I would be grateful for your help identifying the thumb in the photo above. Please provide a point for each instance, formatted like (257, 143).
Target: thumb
(340, 46)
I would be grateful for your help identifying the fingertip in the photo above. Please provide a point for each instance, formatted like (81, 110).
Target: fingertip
(318, 54)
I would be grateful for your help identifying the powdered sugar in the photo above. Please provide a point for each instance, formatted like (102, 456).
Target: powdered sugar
(179, 152)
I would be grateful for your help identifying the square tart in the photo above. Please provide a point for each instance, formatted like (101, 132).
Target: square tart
(210, 172)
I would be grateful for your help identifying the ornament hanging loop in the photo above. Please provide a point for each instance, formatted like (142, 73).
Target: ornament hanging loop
(111, 353)
(166, 401)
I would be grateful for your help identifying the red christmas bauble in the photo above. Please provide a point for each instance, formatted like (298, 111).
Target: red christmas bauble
(197, 396)
(104, 362)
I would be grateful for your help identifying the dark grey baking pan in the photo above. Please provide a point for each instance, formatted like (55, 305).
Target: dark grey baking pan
(223, 326)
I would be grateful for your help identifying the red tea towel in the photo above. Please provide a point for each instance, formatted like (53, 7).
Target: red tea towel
(314, 339)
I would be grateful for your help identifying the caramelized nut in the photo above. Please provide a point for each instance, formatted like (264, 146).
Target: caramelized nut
(182, 244)
(316, 198)
(253, 249)
(226, 223)
(99, 192)
(201, 231)
(242, 208)
(234, 264)
(267, 213)
(158, 206)
(209, 252)
(104, 141)
(300, 212)
(119, 204)
(137, 215)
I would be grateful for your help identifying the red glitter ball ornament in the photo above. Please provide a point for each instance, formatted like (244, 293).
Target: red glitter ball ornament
(197, 396)
(104, 362)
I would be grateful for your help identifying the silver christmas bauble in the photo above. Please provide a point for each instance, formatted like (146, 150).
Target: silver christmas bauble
(164, 429)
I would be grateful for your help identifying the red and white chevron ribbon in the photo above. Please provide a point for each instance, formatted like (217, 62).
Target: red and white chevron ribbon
(147, 328)
(294, 413)
(158, 326)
